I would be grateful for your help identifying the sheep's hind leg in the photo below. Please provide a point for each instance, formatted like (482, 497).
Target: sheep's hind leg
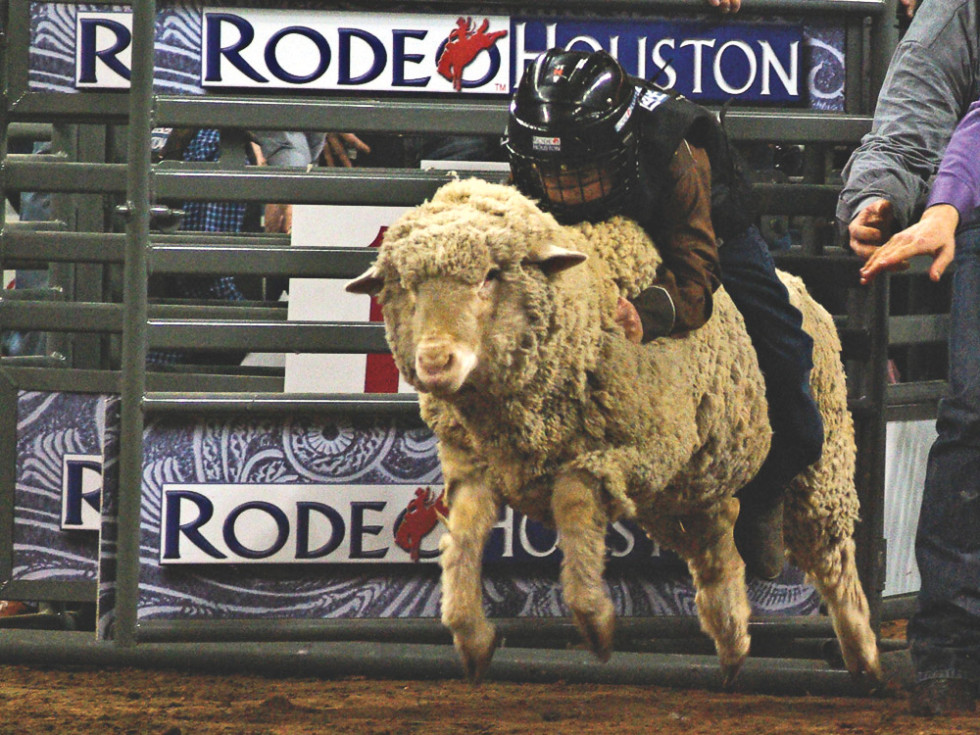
(718, 572)
(581, 523)
(834, 573)
(472, 514)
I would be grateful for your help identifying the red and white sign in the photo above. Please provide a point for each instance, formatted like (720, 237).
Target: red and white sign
(324, 300)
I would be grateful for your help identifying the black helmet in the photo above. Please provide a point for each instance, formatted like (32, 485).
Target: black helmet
(572, 113)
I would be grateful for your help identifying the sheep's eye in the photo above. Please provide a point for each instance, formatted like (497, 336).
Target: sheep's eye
(491, 278)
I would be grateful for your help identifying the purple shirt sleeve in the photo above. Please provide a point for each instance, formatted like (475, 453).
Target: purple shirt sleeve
(958, 179)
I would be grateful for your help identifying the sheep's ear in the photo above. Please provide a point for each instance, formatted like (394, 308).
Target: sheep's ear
(369, 282)
(552, 259)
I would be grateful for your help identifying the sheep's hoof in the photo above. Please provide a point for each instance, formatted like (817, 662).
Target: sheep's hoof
(859, 652)
(476, 653)
(597, 629)
(868, 682)
(865, 669)
(729, 673)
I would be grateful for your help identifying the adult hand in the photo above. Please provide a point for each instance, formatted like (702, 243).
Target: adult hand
(257, 153)
(336, 145)
(934, 234)
(725, 6)
(909, 7)
(629, 319)
(871, 228)
(279, 218)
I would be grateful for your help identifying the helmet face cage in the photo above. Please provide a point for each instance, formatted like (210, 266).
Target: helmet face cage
(579, 188)
(571, 136)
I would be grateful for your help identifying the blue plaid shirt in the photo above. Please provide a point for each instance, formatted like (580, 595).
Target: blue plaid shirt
(203, 217)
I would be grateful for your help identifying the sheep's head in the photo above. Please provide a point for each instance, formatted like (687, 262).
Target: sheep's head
(463, 284)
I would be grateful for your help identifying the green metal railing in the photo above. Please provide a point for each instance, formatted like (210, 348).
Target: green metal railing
(108, 323)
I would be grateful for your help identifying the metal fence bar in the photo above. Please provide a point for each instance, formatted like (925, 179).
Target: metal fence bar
(33, 590)
(312, 337)
(134, 347)
(61, 317)
(391, 187)
(68, 247)
(406, 187)
(548, 631)
(918, 329)
(403, 661)
(82, 381)
(470, 117)
(49, 107)
(260, 311)
(350, 113)
(27, 172)
(403, 405)
(259, 259)
(29, 131)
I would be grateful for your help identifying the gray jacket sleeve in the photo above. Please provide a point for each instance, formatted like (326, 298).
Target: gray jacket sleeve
(931, 81)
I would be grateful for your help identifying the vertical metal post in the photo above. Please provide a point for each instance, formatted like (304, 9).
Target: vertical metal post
(883, 39)
(134, 348)
(871, 428)
(4, 114)
(813, 172)
(8, 417)
(89, 279)
(62, 275)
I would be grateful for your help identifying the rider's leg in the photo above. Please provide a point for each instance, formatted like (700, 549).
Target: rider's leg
(785, 355)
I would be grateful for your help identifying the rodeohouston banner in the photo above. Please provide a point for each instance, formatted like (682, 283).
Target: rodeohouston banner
(210, 49)
(317, 517)
(298, 517)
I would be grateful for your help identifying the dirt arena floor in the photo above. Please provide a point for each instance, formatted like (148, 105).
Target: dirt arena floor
(85, 701)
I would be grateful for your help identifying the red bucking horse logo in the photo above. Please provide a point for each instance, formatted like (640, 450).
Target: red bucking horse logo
(462, 47)
(418, 520)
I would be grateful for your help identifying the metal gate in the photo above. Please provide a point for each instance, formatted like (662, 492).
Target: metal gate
(98, 324)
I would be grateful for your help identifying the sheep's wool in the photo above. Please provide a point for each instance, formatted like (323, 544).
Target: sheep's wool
(667, 428)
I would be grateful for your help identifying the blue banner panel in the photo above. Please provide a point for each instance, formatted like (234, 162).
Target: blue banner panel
(708, 62)
(60, 440)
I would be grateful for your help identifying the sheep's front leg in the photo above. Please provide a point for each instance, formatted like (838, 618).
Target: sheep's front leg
(473, 510)
(707, 542)
(581, 523)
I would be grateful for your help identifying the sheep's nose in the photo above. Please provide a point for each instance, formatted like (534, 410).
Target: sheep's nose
(435, 361)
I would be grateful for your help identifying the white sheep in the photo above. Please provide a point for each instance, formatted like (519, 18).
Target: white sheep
(539, 401)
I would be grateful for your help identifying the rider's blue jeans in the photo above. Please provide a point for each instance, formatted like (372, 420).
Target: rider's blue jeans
(785, 355)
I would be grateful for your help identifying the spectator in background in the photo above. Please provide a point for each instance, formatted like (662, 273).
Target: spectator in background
(31, 207)
(933, 78)
(294, 149)
(199, 145)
